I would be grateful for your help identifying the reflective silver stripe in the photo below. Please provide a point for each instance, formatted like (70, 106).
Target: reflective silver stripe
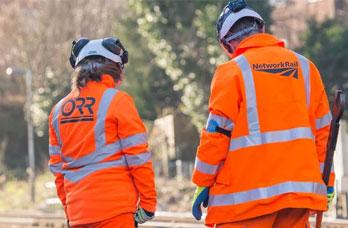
(94, 157)
(306, 76)
(323, 121)
(55, 122)
(99, 128)
(322, 167)
(56, 168)
(133, 140)
(54, 150)
(221, 121)
(267, 192)
(205, 167)
(76, 175)
(253, 118)
(271, 137)
(66, 159)
(106, 151)
(138, 159)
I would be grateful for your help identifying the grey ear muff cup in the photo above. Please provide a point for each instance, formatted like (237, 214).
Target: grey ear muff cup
(112, 44)
(76, 48)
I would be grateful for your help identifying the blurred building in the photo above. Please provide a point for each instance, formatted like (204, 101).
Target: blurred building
(290, 17)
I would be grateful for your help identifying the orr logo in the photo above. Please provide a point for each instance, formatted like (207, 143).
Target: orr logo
(286, 69)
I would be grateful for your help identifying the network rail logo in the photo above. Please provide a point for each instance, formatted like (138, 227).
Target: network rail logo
(287, 69)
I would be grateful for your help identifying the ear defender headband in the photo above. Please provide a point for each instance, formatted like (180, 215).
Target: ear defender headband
(110, 48)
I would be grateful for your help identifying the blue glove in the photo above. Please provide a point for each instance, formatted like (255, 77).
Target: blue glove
(330, 195)
(201, 196)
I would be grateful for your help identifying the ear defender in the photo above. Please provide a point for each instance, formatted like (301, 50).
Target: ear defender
(77, 46)
(113, 45)
(124, 55)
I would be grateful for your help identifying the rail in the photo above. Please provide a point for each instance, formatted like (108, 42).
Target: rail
(163, 220)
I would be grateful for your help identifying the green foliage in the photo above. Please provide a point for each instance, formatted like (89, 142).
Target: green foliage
(182, 38)
(327, 46)
(149, 85)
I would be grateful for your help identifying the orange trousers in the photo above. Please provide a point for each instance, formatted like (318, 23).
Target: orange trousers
(119, 221)
(286, 218)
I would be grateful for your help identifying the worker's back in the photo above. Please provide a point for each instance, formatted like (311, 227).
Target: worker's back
(273, 100)
(102, 142)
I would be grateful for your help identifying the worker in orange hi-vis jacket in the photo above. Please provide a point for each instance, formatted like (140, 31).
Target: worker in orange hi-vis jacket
(262, 151)
(98, 145)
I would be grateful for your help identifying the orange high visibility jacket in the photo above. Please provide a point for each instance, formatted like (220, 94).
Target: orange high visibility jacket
(99, 154)
(273, 102)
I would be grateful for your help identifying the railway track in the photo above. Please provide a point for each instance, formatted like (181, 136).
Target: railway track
(29, 220)
(162, 220)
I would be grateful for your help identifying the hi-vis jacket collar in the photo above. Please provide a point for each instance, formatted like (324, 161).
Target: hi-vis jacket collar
(258, 40)
(106, 80)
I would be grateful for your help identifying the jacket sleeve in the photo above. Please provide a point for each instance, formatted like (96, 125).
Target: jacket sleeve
(215, 137)
(55, 163)
(320, 118)
(132, 133)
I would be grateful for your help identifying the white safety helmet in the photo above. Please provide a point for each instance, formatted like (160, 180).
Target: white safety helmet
(110, 48)
(233, 11)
